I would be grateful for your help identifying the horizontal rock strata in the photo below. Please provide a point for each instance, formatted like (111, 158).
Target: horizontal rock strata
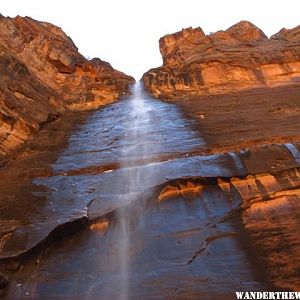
(268, 206)
(240, 57)
(42, 74)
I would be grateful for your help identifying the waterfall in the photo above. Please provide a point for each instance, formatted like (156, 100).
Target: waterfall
(134, 153)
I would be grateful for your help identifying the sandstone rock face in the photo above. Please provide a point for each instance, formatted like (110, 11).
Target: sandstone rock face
(42, 75)
(203, 205)
(240, 57)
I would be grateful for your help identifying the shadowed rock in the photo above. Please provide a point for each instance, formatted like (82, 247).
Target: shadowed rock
(58, 193)
(204, 221)
(3, 281)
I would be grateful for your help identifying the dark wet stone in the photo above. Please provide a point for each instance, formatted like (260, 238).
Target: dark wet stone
(177, 243)
(3, 281)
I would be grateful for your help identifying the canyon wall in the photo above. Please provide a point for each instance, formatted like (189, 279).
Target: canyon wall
(241, 57)
(42, 75)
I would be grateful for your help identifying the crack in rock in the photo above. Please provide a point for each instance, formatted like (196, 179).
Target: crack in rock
(207, 242)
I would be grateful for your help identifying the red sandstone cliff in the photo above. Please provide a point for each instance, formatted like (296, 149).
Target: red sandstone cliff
(42, 75)
(240, 57)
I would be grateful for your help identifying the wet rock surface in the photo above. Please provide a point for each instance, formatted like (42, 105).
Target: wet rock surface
(244, 120)
(241, 57)
(201, 222)
(3, 281)
(42, 76)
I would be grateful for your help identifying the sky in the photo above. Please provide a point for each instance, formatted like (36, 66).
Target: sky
(126, 32)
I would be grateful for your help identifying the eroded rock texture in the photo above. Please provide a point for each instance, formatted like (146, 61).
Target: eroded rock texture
(240, 57)
(202, 221)
(42, 74)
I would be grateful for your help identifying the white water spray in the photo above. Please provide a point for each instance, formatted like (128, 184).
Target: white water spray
(134, 153)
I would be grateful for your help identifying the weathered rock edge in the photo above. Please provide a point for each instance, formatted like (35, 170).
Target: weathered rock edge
(246, 189)
(42, 75)
(241, 57)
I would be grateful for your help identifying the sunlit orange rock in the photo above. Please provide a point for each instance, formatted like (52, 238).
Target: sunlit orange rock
(188, 190)
(42, 74)
(273, 227)
(168, 192)
(238, 58)
(100, 226)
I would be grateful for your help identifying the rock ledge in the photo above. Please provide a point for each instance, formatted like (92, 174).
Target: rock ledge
(241, 57)
(42, 75)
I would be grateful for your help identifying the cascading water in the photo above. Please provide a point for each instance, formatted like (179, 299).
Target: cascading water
(112, 163)
(135, 144)
(134, 154)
